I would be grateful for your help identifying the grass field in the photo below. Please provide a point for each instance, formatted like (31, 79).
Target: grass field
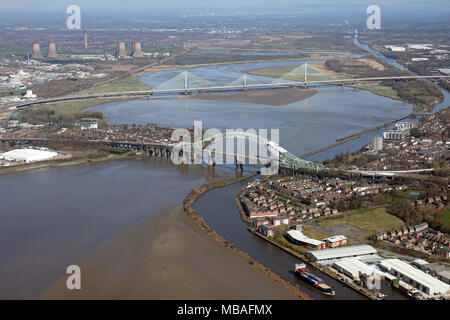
(381, 90)
(370, 221)
(447, 217)
(66, 108)
(130, 83)
(282, 240)
(295, 73)
(313, 233)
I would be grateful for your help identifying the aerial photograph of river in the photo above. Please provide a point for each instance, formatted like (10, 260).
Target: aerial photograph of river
(333, 187)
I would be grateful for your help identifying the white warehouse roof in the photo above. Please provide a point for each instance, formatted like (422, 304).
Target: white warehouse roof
(354, 267)
(335, 238)
(434, 285)
(28, 155)
(299, 236)
(343, 252)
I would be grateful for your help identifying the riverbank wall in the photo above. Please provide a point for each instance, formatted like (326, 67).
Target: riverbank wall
(187, 207)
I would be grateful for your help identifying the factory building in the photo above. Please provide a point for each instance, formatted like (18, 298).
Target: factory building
(402, 129)
(377, 144)
(297, 237)
(418, 279)
(395, 48)
(393, 135)
(331, 254)
(354, 269)
(335, 241)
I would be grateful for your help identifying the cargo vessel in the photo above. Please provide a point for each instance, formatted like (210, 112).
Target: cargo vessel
(304, 274)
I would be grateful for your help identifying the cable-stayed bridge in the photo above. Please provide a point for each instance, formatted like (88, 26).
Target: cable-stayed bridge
(187, 83)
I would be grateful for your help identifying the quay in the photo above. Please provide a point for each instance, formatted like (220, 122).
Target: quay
(325, 270)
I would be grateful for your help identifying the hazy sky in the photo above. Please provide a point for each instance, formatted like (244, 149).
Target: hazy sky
(211, 4)
(93, 9)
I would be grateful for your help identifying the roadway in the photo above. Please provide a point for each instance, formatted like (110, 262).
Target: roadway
(259, 86)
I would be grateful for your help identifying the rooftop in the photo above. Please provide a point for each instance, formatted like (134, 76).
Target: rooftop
(418, 276)
(299, 236)
(343, 252)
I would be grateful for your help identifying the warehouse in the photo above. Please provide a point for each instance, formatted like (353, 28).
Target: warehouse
(297, 237)
(328, 255)
(27, 155)
(353, 268)
(418, 279)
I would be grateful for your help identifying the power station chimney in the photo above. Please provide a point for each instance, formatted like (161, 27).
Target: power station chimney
(85, 39)
(121, 52)
(52, 54)
(36, 53)
(137, 51)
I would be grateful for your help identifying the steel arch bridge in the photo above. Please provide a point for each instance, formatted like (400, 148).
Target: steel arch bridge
(277, 155)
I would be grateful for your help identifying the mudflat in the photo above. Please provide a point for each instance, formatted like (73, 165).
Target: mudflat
(273, 97)
(167, 257)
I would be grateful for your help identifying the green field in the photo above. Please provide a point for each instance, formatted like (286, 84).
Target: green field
(381, 90)
(447, 217)
(130, 83)
(66, 109)
(370, 221)
(295, 73)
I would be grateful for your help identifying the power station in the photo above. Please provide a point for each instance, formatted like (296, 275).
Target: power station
(36, 53)
(137, 50)
(52, 54)
(85, 39)
(121, 51)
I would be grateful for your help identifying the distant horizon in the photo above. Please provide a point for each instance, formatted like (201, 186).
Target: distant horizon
(223, 5)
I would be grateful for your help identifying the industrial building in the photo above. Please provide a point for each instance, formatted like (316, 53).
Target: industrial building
(297, 237)
(377, 143)
(395, 48)
(402, 129)
(331, 254)
(418, 279)
(354, 269)
(393, 135)
(27, 155)
(335, 241)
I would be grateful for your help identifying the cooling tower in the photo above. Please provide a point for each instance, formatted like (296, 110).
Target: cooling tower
(137, 51)
(121, 52)
(36, 53)
(52, 54)
(85, 40)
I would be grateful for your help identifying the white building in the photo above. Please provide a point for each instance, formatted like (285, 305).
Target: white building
(329, 255)
(420, 46)
(418, 279)
(30, 95)
(297, 237)
(377, 144)
(353, 268)
(27, 155)
(393, 135)
(395, 48)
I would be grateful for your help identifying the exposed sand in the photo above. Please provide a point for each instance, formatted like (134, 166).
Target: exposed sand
(167, 257)
(274, 97)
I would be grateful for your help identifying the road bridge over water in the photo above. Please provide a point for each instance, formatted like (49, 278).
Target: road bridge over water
(187, 83)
